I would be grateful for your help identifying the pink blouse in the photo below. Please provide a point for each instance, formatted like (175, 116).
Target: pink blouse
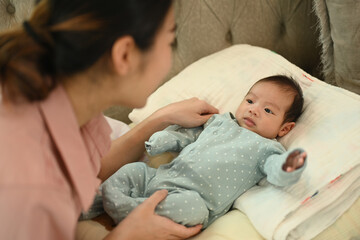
(48, 167)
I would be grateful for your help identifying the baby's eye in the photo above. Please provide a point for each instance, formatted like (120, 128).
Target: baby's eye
(249, 101)
(268, 110)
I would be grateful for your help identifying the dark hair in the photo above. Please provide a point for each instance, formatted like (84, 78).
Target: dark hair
(290, 85)
(64, 37)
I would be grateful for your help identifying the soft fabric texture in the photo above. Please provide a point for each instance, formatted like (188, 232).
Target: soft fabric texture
(328, 130)
(339, 24)
(49, 167)
(118, 128)
(203, 181)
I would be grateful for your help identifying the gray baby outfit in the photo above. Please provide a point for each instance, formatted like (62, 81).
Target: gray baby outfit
(217, 163)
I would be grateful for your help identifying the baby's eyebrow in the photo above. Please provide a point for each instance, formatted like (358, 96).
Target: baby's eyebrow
(250, 93)
(267, 103)
(273, 105)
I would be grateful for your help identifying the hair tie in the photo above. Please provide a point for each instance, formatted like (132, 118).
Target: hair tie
(30, 31)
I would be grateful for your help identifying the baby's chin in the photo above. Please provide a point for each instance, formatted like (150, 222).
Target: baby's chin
(243, 125)
(252, 129)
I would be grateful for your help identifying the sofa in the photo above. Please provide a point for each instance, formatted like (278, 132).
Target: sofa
(320, 36)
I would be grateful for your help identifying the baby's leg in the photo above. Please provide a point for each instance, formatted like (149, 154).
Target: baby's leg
(124, 190)
(185, 207)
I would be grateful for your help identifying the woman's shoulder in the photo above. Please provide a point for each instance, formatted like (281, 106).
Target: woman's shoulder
(23, 136)
(20, 123)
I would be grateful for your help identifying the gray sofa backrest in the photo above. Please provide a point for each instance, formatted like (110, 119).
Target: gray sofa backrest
(287, 27)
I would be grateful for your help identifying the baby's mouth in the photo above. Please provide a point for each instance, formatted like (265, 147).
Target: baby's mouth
(249, 122)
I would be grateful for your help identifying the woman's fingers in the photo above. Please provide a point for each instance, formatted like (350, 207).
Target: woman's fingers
(155, 199)
(144, 223)
(187, 113)
(206, 108)
(171, 229)
(182, 232)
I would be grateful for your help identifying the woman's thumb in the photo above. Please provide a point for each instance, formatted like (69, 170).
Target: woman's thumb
(155, 199)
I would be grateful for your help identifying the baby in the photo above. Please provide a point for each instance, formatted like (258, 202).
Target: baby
(218, 161)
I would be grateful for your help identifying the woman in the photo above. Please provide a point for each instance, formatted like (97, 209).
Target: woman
(69, 62)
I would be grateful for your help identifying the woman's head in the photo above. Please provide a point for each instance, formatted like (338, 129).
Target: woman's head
(67, 37)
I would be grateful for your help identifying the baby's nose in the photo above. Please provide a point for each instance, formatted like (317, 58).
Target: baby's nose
(254, 111)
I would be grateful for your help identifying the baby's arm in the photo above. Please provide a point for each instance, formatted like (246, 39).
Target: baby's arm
(284, 168)
(173, 138)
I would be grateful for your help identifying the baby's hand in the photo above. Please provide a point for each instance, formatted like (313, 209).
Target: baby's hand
(294, 161)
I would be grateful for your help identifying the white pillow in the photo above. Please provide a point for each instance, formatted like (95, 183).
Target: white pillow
(328, 129)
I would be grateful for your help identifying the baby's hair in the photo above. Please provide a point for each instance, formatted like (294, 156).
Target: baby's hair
(288, 84)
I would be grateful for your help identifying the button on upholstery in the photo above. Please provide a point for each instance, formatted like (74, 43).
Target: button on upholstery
(229, 37)
(10, 8)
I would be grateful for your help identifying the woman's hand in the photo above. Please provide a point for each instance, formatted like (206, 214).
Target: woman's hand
(130, 147)
(187, 113)
(294, 161)
(142, 223)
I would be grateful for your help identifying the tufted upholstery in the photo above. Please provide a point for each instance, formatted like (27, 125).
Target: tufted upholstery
(286, 27)
(13, 12)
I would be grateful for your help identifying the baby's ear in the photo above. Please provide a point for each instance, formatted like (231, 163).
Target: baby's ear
(285, 128)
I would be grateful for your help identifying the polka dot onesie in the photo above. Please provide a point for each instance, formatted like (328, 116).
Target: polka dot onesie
(217, 163)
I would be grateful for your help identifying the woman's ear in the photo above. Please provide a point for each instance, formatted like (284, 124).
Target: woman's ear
(124, 55)
(285, 128)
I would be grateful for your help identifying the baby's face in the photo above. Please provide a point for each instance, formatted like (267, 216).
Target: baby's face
(263, 110)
